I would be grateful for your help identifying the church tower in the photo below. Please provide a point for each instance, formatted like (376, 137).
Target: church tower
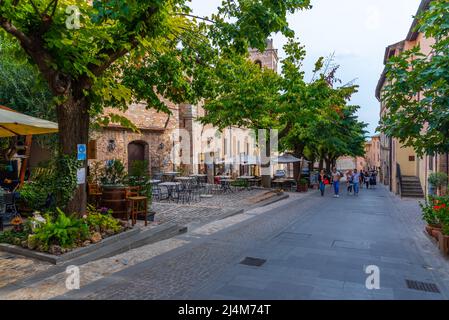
(268, 59)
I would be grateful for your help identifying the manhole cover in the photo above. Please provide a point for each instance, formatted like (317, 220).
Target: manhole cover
(253, 262)
(422, 286)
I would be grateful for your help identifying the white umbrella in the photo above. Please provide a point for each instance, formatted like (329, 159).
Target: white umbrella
(17, 124)
(286, 159)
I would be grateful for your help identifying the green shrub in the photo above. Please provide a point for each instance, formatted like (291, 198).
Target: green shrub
(102, 223)
(113, 173)
(438, 180)
(63, 231)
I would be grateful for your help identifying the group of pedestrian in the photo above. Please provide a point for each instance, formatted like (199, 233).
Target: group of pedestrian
(354, 179)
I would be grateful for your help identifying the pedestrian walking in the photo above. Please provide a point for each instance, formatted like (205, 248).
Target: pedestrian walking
(362, 179)
(367, 179)
(350, 182)
(323, 181)
(373, 180)
(336, 177)
(356, 182)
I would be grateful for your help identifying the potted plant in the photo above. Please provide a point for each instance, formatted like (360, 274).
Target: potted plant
(113, 178)
(303, 185)
(429, 215)
(113, 175)
(442, 212)
(438, 181)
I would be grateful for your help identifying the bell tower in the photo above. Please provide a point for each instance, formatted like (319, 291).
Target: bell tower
(267, 59)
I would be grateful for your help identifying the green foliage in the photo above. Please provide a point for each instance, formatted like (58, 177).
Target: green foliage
(438, 179)
(63, 231)
(313, 118)
(59, 182)
(102, 223)
(417, 88)
(14, 237)
(140, 177)
(428, 212)
(114, 173)
(23, 89)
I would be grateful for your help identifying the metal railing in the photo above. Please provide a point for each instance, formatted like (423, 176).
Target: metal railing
(399, 178)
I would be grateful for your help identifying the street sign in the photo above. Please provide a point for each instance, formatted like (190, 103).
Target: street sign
(82, 152)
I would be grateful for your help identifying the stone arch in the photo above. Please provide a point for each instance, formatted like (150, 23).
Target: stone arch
(259, 63)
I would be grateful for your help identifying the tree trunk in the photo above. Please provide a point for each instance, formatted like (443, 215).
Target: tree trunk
(328, 165)
(321, 164)
(73, 120)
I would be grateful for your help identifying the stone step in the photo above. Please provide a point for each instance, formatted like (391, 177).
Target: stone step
(413, 194)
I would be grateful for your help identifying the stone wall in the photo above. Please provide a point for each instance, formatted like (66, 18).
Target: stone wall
(156, 129)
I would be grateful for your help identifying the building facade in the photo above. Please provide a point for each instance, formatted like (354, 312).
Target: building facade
(372, 154)
(179, 142)
(396, 159)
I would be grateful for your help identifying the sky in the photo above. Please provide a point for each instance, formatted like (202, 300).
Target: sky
(357, 31)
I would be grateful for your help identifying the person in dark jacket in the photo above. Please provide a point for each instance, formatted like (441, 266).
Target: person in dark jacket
(322, 179)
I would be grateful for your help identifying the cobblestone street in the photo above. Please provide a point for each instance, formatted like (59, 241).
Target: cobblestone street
(315, 248)
(15, 268)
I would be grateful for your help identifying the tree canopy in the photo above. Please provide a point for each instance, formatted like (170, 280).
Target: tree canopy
(313, 118)
(86, 50)
(417, 94)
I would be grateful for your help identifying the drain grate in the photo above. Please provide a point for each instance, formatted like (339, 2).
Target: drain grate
(422, 286)
(253, 262)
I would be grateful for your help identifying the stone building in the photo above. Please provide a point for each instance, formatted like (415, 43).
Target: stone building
(396, 160)
(179, 141)
(372, 153)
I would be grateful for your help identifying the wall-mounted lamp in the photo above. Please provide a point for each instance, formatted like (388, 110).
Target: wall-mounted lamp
(111, 145)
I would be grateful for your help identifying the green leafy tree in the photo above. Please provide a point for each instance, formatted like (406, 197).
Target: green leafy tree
(417, 94)
(83, 62)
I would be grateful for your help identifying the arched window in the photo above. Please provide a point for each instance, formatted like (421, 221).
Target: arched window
(259, 63)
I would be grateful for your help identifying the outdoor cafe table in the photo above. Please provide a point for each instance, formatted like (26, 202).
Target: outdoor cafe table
(247, 180)
(281, 182)
(170, 187)
(226, 183)
(171, 174)
(184, 179)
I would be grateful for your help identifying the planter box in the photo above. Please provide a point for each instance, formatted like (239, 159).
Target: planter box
(78, 252)
(443, 243)
(432, 230)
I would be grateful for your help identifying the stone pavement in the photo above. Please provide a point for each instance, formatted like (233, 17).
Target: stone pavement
(16, 268)
(208, 209)
(315, 248)
(195, 215)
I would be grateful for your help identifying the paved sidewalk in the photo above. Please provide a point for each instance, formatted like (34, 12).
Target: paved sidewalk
(17, 268)
(194, 215)
(315, 248)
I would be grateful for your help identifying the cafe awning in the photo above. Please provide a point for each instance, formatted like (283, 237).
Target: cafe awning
(17, 124)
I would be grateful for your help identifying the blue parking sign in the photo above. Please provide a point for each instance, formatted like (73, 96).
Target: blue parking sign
(82, 152)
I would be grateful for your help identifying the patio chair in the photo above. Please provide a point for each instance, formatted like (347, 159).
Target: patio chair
(10, 204)
(137, 204)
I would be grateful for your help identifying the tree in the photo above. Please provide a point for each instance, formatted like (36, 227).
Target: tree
(82, 62)
(313, 118)
(417, 94)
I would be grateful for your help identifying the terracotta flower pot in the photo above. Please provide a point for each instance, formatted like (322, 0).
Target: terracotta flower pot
(443, 242)
(433, 227)
(436, 233)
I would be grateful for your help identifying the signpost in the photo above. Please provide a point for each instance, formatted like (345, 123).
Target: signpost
(82, 152)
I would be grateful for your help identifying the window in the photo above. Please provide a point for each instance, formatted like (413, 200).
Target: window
(259, 63)
(431, 159)
(411, 158)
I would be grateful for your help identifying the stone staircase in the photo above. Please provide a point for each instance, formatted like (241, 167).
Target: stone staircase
(411, 187)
